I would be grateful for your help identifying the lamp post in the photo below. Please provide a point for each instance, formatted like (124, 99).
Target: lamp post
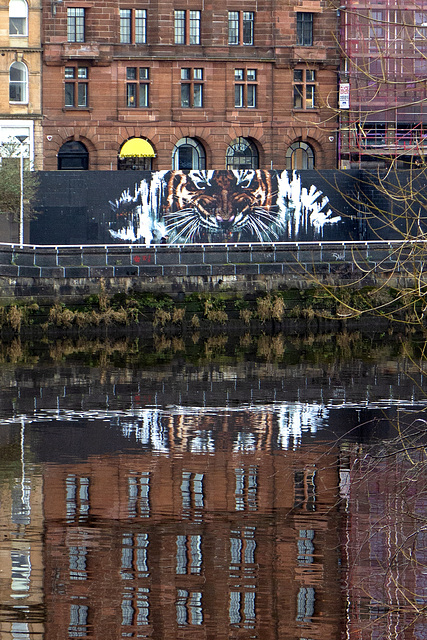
(21, 140)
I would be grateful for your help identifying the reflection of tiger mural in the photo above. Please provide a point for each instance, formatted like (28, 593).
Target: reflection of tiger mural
(219, 206)
(215, 206)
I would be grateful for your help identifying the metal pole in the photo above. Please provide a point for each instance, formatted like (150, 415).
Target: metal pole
(21, 140)
(21, 215)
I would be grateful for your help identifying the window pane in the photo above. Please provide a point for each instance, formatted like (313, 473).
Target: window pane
(304, 29)
(248, 27)
(309, 98)
(185, 95)
(194, 27)
(233, 27)
(238, 74)
(185, 74)
(298, 94)
(185, 157)
(69, 94)
(179, 27)
(310, 75)
(130, 73)
(251, 75)
(140, 26)
(198, 95)
(17, 26)
(238, 95)
(82, 72)
(69, 72)
(82, 94)
(298, 75)
(143, 95)
(143, 73)
(252, 95)
(125, 25)
(131, 95)
(75, 24)
(198, 74)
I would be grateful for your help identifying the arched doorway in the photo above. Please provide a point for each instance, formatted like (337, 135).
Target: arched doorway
(135, 154)
(73, 156)
(299, 156)
(242, 154)
(188, 154)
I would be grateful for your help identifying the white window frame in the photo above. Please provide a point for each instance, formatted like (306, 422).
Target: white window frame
(24, 82)
(18, 9)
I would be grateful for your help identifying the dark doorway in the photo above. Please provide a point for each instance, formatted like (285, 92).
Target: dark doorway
(73, 156)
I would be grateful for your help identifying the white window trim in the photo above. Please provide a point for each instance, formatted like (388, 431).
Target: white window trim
(22, 14)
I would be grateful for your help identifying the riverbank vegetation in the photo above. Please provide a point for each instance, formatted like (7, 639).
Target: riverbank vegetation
(200, 311)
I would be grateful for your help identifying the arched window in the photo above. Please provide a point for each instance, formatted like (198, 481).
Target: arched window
(136, 154)
(188, 154)
(18, 82)
(242, 154)
(73, 156)
(18, 18)
(299, 156)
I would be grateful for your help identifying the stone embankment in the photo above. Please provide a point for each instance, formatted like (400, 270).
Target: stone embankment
(70, 273)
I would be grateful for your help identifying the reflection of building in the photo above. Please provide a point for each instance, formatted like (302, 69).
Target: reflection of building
(21, 550)
(385, 545)
(242, 543)
(20, 95)
(386, 119)
(205, 87)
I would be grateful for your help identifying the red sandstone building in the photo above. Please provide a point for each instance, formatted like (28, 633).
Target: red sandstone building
(194, 85)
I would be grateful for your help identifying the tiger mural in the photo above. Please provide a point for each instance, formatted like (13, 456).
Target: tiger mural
(217, 206)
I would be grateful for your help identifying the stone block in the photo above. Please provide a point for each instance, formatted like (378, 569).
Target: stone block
(6, 257)
(51, 272)
(44, 259)
(167, 257)
(71, 259)
(240, 256)
(94, 258)
(270, 268)
(125, 270)
(101, 272)
(223, 270)
(246, 269)
(24, 258)
(119, 259)
(29, 272)
(9, 270)
(179, 270)
(76, 272)
(147, 271)
(216, 257)
(199, 270)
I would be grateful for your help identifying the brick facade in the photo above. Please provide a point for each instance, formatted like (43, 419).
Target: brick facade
(271, 126)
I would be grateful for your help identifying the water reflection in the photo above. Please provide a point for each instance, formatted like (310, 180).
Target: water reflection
(124, 514)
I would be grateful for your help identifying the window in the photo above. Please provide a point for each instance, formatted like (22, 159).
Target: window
(133, 26)
(137, 83)
(191, 88)
(242, 154)
(304, 89)
(76, 87)
(299, 156)
(188, 154)
(73, 156)
(240, 27)
(18, 18)
(75, 24)
(304, 29)
(244, 89)
(187, 27)
(18, 82)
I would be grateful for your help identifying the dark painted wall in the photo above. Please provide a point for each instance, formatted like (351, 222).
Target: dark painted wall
(109, 207)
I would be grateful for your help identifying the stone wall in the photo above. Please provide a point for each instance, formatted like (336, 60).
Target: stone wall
(72, 273)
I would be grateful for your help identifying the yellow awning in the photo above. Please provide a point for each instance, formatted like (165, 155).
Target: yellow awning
(137, 148)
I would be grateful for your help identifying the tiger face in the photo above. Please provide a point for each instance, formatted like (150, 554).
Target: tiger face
(215, 206)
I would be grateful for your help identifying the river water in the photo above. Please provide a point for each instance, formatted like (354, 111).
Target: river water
(253, 490)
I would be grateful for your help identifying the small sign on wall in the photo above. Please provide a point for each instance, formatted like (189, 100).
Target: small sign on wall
(344, 97)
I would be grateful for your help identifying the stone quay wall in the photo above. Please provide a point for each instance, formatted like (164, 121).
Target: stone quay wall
(50, 273)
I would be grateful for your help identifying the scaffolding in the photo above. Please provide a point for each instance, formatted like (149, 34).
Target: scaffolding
(384, 45)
